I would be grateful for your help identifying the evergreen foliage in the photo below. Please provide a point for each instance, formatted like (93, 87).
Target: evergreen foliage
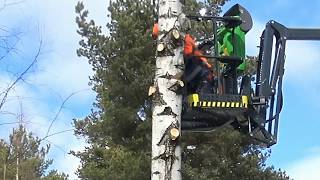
(23, 154)
(119, 129)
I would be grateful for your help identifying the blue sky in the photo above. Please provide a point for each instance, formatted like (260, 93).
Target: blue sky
(60, 72)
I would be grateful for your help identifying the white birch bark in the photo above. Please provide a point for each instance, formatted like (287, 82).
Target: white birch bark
(17, 168)
(4, 170)
(167, 103)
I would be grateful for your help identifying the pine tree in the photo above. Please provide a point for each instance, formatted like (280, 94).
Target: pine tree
(55, 175)
(23, 158)
(123, 63)
(119, 129)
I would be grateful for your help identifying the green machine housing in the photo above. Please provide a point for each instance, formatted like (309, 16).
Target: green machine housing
(231, 36)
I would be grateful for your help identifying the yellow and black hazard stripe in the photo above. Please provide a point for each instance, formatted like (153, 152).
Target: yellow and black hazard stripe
(195, 101)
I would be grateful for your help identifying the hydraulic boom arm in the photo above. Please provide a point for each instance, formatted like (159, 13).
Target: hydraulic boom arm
(269, 81)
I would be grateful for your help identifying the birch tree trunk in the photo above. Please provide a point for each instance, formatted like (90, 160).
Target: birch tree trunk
(167, 102)
(17, 168)
(4, 170)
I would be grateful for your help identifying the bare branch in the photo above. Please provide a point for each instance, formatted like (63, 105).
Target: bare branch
(7, 4)
(8, 113)
(56, 133)
(20, 77)
(18, 122)
(60, 109)
(8, 50)
(7, 44)
(57, 146)
(20, 115)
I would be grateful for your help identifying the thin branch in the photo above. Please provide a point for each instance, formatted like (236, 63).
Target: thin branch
(21, 115)
(6, 92)
(56, 133)
(18, 122)
(60, 109)
(57, 146)
(9, 50)
(8, 113)
(14, 3)
(6, 4)
(25, 98)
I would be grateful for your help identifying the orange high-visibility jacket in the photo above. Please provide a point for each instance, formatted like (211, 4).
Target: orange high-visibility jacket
(189, 45)
(155, 31)
(190, 49)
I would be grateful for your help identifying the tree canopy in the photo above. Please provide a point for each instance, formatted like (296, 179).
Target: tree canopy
(25, 158)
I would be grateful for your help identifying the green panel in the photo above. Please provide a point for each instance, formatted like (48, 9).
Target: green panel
(232, 43)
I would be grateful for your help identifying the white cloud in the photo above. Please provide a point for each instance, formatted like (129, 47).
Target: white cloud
(253, 38)
(314, 150)
(65, 74)
(302, 58)
(305, 169)
(64, 161)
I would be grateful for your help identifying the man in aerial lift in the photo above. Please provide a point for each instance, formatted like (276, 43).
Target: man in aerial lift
(199, 76)
(198, 71)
